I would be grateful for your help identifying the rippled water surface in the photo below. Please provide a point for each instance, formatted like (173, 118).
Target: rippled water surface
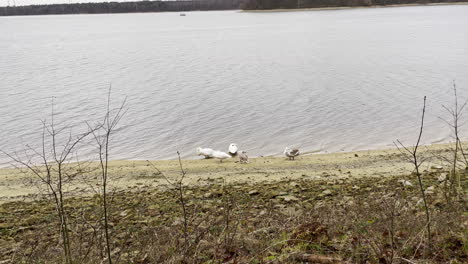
(328, 80)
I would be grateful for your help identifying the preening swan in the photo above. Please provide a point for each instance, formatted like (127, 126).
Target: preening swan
(233, 149)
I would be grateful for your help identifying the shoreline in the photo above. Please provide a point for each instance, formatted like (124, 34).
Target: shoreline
(324, 199)
(348, 7)
(138, 174)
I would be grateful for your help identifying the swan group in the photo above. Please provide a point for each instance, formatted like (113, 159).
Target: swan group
(233, 151)
(209, 153)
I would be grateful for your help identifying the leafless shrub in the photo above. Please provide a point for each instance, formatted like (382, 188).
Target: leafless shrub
(179, 191)
(51, 164)
(102, 136)
(455, 123)
(411, 155)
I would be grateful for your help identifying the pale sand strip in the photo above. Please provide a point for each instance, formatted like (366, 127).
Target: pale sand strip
(15, 185)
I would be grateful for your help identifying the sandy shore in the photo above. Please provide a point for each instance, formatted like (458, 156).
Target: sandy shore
(17, 185)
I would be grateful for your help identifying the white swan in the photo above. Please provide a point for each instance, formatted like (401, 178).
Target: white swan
(291, 153)
(220, 155)
(233, 149)
(207, 152)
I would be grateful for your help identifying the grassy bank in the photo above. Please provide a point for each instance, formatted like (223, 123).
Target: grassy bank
(374, 220)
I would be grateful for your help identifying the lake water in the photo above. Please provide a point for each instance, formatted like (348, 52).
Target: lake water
(330, 80)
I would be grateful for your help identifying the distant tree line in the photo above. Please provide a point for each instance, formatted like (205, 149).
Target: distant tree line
(191, 5)
(288, 4)
(120, 7)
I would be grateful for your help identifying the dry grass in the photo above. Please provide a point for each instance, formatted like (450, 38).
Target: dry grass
(347, 220)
